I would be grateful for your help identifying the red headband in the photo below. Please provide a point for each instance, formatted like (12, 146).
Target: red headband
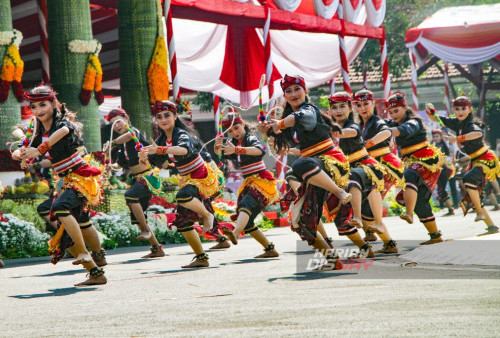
(160, 106)
(226, 123)
(288, 81)
(41, 93)
(396, 100)
(363, 95)
(116, 112)
(461, 101)
(437, 131)
(339, 97)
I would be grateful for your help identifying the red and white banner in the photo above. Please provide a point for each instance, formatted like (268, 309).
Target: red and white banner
(375, 12)
(352, 9)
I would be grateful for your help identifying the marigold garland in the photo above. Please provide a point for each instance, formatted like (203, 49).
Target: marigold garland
(12, 66)
(158, 67)
(92, 79)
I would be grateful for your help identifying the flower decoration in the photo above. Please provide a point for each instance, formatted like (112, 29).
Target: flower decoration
(12, 66)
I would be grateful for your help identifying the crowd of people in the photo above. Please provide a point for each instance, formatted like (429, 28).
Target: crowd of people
(348, 158)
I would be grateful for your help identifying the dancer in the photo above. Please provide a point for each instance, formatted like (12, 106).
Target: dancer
(447, 172)
(321, 169)
(259, 186)
(423, 164)
(145, 180)
(199, 181)
(367, 175)
(81, 182)
(484, 163)
(377, 137)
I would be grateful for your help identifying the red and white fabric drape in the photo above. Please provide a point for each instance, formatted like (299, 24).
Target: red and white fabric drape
(343, 52)
(414, 67)
(172, 55)
(267, 51)
(216, 112)
(351, 9)
(447, 96)
(44, 42)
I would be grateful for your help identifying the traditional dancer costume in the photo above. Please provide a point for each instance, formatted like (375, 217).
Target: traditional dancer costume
(144, 180)
(259, 185)
(81, 183)
(484, 163)
(318, 154)
(199, 179)
(382, 153)
(423, 163)
(447, 172)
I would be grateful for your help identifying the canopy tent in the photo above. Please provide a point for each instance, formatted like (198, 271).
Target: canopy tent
(465, 35)
(220, 43)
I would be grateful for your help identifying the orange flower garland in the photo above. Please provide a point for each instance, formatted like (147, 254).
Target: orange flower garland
(158, 68)
(12, 68)
(92, 79)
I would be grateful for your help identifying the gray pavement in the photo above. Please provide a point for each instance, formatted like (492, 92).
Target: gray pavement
(242, 296)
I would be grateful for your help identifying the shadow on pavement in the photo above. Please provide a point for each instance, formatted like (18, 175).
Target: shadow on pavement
(55, 292)
(313, 275)
(177, 270)
(250, 260)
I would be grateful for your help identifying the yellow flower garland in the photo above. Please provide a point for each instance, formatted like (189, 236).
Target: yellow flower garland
(12, 72)
(158, 73)
(92, 80)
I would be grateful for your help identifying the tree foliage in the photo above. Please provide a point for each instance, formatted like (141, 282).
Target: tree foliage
(400, 16)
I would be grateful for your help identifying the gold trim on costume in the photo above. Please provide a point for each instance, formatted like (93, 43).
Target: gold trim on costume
(413, 148)
(367, 168)
(357, 155)
(332, 166)
(142, 175)
(379, 152)
(421, 160)
(89, 187)
(317, 148)
(478, 153)
(266, 187)
(491, 168)
(207, 186)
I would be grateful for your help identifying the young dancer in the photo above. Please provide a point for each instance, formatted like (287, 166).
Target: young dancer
(446, 173)
(377, 137)
(484, 163)
(367, 175)
(145, 180)
(259, 186)
(321, 168)
(199, 180)
(423, 164)
(81, 182)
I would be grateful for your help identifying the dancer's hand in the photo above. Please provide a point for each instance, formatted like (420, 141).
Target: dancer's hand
(452, 139)
(143, 154)
(30, 152)
(275, 127)
(229, 148)
(152, 148)
(218, 142)
(105, 147)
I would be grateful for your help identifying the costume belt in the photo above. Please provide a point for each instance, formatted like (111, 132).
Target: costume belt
(478, 153)
(191, 167)
(414, 148)
(253, 168)
(318, 148)
(357, 155)
(379, 152)
(68, 163)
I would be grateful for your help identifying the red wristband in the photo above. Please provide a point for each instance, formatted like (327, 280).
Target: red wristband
(461, 138)
(369, 144)
(161, 150)
(281, 124)
(240, 150)
(44, 147)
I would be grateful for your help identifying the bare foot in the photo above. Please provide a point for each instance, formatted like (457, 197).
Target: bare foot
(156, 251)
(345, 197)
(82, 258)
(221, 245)
(196, 264)
(208, 222)
(407, 217)
(99, 280)
(268, 254)
(145, 235)
(377, 228)
(357, 222)
(230, 234)
(479, 217)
